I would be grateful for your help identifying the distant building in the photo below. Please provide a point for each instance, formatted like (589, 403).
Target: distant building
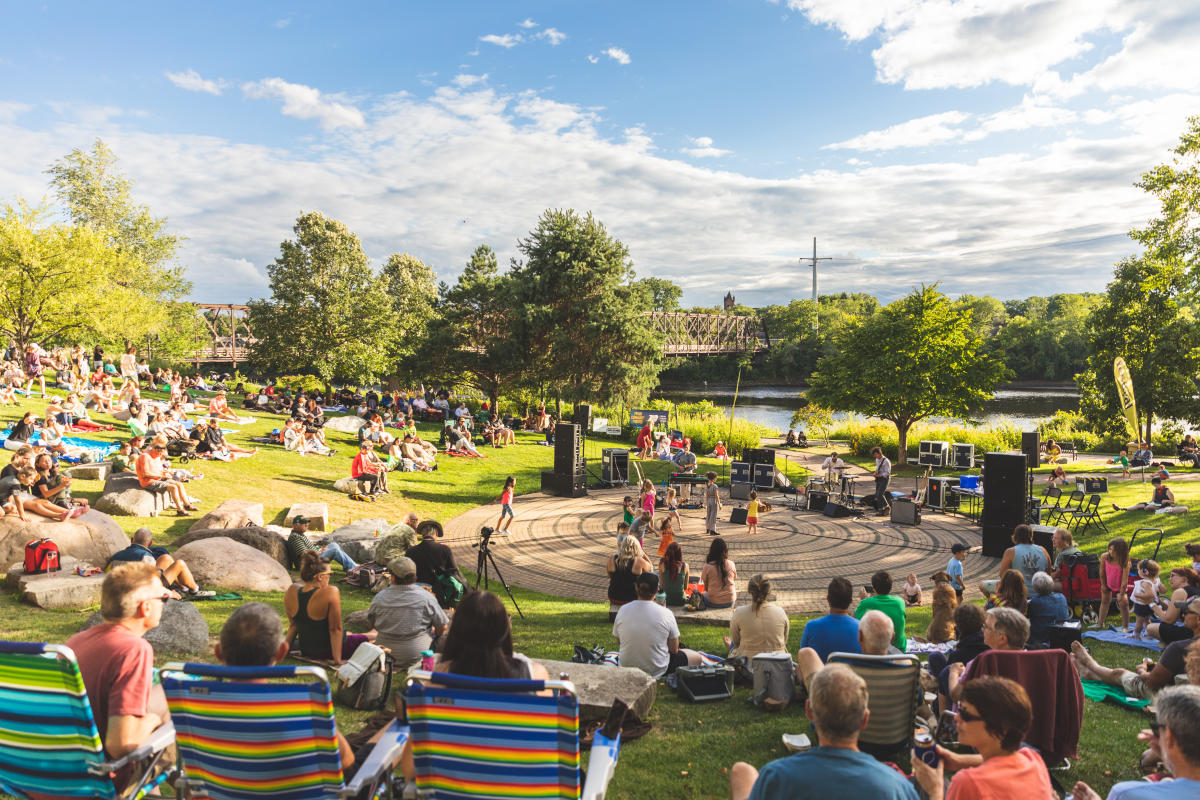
(729, 301)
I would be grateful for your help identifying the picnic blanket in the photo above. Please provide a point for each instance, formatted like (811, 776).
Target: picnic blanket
(239, 420)
(1098, 691)
(100, 450)
(335, 409)
(915, 648)
(1116, 637)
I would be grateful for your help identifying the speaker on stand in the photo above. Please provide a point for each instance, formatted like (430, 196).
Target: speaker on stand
(1031, 446)
(1005, 500)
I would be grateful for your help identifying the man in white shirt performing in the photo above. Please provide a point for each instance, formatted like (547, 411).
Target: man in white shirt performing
(883, 474)
(647, 635)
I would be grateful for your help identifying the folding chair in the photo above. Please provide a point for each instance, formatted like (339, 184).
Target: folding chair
(1073, 504)
(244, 740)
(484, 738)
(1051, 493)
(894, 686)
(49, 743)
(1088, 514)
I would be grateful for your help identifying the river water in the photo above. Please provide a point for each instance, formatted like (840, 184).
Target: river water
(773, 406)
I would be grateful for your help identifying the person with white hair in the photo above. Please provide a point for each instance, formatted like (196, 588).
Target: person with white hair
(1046, 608)
(875, 631)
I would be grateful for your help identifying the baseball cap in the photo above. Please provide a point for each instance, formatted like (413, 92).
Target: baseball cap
(300, 520)
(402, 567)
(958, 547)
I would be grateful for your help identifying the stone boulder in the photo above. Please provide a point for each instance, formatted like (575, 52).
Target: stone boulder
(358, 538)
(231, 514)
(96, 471)
(221, 561)
(125, 497)
(317, 514)
(92, 537)
(59, 589)
(346, 424)
(597, 685)
(261, 539)
(348, 486)
(182, 631)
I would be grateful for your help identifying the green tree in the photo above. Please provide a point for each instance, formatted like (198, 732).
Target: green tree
(813, 418)
(917, 357)
(95, 193)
(1174, 235)
(581, 322)
(329, 314)
(664, 294)
(410, 285)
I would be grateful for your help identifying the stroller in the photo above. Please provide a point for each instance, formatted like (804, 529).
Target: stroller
(182, 449)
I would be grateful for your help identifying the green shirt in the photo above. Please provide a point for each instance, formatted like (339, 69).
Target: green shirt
(893, 606)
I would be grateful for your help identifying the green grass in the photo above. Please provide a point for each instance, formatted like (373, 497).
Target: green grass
(691, 747)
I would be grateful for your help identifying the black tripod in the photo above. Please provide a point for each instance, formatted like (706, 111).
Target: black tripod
(481, 566)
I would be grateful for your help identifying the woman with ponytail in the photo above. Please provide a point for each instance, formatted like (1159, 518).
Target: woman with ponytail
(762, 626)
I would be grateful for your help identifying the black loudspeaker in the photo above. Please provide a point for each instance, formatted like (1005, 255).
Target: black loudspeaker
(764, 475)
(996, 539)
(1031, 445)
(759, 455)
(614, 465)
(962, 455)
(739, 472)
(737, 516)
(906, 512)
(1004, 490)
(583, 416)
(740, 491)
(567, 458)
(564, 485)
(836, 510)
(817, 500)
(939, 491)
(1044, 535)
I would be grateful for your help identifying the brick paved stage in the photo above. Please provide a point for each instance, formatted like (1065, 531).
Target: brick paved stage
(559, 546)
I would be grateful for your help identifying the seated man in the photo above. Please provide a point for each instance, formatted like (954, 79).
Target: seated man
(837, 631)
(367, 468)
(431, 556)
(837, 706)
(834, 464)
(1142, 456)
(1147, 678)
(407, 619)
(298, 544)
(890, 604)
(16, 497)
(874, 639)
(174, 571)
(210, 441)
(1064, 546)
(647, 635)
(253, 637)
(152, 477)
(116, 662)
(685, 459)
(396, 543)
(1162, 501)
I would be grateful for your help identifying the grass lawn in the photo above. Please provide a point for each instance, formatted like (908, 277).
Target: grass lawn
(688, 753)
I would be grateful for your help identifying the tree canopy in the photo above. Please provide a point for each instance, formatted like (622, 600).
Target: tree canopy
(918, 357)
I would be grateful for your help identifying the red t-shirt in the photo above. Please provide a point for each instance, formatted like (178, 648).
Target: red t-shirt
(148, 468)
(506, 496)
(116, 668)
(361, 466)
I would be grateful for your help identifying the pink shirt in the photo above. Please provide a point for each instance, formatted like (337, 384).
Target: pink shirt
(648, 502)
(712, 579)
(1021, 774)
(506, 496)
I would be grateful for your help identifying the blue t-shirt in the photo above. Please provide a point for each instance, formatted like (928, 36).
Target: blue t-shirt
(1044, 611)
(833, 633)
(1178, 789)
(954, 570)
(816, 774)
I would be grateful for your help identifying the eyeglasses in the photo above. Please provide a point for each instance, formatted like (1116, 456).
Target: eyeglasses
(966, 715)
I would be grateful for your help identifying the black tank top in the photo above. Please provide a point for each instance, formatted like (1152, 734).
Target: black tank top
(620, 585)
(312, 633)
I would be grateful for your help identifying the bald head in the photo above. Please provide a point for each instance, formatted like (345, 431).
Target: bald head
(875, 632)
(142, 536)
(411, 520)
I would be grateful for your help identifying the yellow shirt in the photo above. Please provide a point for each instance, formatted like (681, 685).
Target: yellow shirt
(752, 509)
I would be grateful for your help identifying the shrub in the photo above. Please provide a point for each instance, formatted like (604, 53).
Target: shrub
(865, 435)
(301, 383)
(1069, 426)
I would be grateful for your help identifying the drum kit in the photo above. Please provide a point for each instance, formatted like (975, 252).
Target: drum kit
(834, 487)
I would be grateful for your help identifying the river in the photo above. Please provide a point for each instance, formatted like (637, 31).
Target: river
(772, 406)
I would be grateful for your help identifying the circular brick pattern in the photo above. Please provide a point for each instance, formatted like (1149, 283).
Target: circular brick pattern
(559, 546)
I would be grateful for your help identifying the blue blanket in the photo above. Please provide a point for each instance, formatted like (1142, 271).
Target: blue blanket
(1114, 636)
(101, 449)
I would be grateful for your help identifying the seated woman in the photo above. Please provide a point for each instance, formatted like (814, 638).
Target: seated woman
(17, 497)
(628, 562)
(1185, 584)
(1010, 592)
(1046, 608)
(761, 627)
(367, 468)
(718, 451)
(718, 575)
(22, 431)
(1162, 501)
(994, 715)
(479, 643)
(53, 485)
(52, 436)
(662, 448)
(314, 609)
(674, 573)
(219, 407)
(1051, 452)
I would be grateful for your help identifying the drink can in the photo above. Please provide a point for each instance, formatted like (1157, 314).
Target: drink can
(427, 660)
(925, 747)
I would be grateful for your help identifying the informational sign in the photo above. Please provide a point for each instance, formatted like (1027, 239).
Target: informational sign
(640, 416)
(599, 424)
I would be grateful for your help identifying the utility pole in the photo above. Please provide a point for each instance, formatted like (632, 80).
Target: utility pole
(814, 291)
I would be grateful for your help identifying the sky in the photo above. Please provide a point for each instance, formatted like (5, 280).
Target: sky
(991, 146)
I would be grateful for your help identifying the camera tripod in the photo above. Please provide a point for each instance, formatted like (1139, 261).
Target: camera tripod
(481, 569)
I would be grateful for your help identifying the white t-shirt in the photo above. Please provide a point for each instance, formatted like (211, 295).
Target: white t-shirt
(643, 628)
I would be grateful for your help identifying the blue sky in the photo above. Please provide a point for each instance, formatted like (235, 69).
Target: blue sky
(990, 146)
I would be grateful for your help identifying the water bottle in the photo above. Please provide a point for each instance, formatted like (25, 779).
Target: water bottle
(427, 660)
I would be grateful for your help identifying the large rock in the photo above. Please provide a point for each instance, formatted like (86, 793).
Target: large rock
(59, 589)
(348, 486)
(345, 424)
(261, 539)
(231, 514)
(92, 537)
(356, 621)
(358, 538)
(182, 630)
(221, 561)
(125, 497)
(317, 514)
(96, 471)
(597, 685)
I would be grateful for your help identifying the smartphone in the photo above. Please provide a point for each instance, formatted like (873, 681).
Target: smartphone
(868, 588)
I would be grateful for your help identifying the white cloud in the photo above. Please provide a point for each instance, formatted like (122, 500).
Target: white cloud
(464, 80)
(618, 55)
(282, 22)
(527, 23)
(10, 110)
(192, 82)
(553, 35)
(702, 147)
(920, 132)
(593, 59)
(305, 102)
(507, 40)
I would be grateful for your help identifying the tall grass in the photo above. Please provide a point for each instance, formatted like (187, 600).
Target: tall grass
(865, 435)
(703, 422)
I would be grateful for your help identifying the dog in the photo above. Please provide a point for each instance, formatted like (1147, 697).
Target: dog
(941, 628)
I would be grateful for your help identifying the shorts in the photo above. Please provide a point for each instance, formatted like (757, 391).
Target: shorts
(1142, 610)
(1173, 633)
(751, 520)
(676, 660)
(157, 487)
(1135, 686)
(506, 510)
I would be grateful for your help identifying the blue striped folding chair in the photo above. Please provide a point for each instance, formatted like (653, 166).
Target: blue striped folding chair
(49, 743)
(482, 738)
(248, 733)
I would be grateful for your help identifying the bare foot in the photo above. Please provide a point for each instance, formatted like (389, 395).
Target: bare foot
(1083, 659)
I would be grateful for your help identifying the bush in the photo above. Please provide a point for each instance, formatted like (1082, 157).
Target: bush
(706, 431)
(301, 383)
(863, 436)
(1070, 426)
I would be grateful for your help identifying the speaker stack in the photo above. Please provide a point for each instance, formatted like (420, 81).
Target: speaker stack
(569, 478)
(583, 416)
(962, 455)
(1031, 446)
(758, 455)
(938, 495)
(1004, 499)
(933, 454)
(614, 466)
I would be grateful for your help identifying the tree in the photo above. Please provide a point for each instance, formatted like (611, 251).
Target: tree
(581, 322)
(329, 313)
(97, 195)
(664, 294)
(815, 418)
(1173, 237)
(410, 285)
(917, 357)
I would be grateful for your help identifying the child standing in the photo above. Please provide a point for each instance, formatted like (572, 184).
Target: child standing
(911, 590)
(627, 508)
(647, 498)
(1114, 569)
(752, 513)
(1145, 594)
(506, 509)
(666, 537)
(673, 508)
(1123, 460)
(954, 568)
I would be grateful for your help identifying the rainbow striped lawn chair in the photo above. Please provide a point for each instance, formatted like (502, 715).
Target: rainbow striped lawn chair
(49, 743)
(243, 740)
(483, 738)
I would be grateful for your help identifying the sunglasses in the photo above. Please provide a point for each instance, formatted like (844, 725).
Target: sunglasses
(966, 715)
(165, 596)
